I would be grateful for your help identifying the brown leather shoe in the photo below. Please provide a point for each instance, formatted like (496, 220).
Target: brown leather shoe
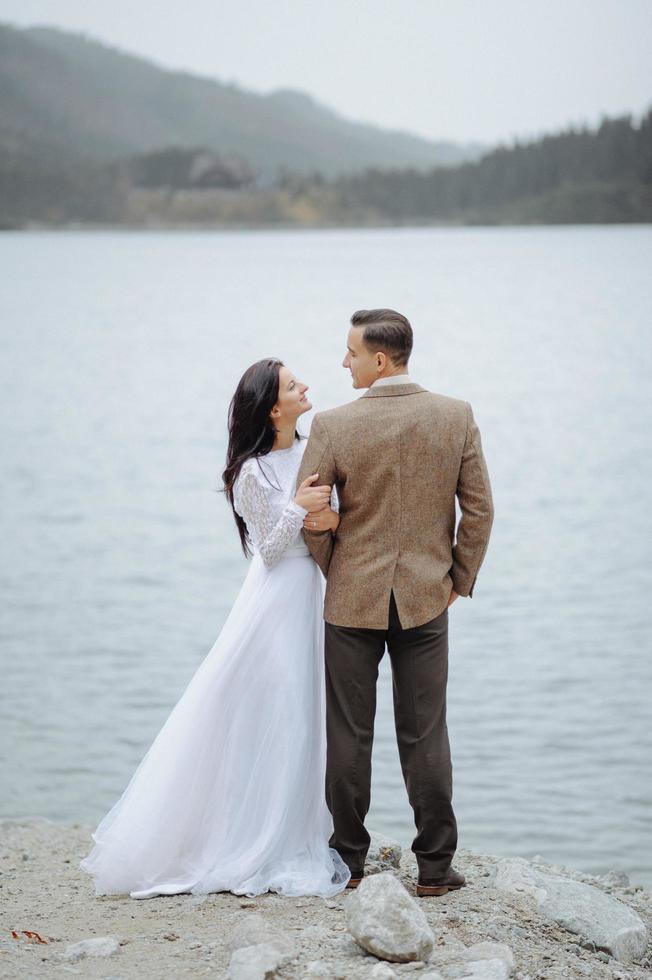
(353, 882)
(447, 883)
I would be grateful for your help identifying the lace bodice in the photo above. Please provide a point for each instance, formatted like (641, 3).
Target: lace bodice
(262, 495)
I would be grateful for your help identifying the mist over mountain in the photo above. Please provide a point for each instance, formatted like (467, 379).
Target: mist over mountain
(76, 97)
(91, 135)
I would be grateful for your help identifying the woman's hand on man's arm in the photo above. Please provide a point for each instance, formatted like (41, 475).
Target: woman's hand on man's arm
(322, 520)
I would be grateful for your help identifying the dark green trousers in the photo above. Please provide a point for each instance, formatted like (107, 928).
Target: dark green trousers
(419, 659)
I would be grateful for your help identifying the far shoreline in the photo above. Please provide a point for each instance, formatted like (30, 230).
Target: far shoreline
(72, 228)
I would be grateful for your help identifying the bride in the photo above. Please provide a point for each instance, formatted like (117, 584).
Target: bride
(230, 795)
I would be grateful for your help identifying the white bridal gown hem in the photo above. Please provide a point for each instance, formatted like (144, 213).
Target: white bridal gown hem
(230, 795)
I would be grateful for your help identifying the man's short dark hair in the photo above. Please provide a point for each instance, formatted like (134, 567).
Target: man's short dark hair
(386, 330)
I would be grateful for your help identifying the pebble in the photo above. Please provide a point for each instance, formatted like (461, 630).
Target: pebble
(382, 971)
(253, 929)
(255, 963)
(95, 946)
(384, 855)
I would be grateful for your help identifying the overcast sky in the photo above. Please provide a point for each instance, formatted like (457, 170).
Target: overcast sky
(487, 70)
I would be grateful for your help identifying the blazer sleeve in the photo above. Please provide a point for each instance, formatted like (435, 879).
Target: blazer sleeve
(476, 504)
(318, 458)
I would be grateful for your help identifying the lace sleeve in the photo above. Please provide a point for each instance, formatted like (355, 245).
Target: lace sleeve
(252, 501)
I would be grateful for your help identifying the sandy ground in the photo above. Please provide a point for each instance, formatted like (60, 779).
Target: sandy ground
(42, 891)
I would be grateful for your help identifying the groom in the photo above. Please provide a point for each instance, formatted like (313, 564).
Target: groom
(399, 456)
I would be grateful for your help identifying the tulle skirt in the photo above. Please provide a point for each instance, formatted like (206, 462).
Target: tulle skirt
(230, 795)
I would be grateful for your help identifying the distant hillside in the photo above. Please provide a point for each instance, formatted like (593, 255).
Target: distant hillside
(600, 175)
(577, 177)
(72, 97)
(93, 136)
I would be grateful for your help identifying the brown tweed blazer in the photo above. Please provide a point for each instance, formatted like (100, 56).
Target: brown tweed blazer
(398, 456)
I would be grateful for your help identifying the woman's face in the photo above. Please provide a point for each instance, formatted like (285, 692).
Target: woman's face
(292, 400)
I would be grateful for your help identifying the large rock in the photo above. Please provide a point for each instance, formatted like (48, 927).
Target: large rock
(384, 854)
(578, 907)
(261, 962)
(97, 946)
(386, 921)
(254, 930)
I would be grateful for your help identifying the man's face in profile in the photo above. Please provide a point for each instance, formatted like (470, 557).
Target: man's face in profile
(360, 361)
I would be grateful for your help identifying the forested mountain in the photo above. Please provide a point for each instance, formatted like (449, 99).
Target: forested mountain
(89, 135)
(578, 175)
(76, 98)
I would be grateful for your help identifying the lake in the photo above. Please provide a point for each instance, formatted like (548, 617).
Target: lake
(120, 353)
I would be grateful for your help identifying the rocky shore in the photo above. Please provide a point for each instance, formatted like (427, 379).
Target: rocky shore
(516, 918)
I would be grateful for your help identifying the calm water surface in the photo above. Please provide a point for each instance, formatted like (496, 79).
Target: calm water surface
(120, 353)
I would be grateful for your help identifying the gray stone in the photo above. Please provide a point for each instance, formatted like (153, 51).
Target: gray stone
(482, 961)
(329, 970)
(382, 971)
(614, 879)
(318, 968)
(491, 951)
(253, 930)
(581, 908)
(386, 921)
(317, 935)
(346, 946)
(196, 901)
(97, 946)
(491, 969)
(384, 854)
(260, 962)
(452, 951)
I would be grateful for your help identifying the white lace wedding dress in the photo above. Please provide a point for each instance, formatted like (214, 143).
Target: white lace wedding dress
(230, 795)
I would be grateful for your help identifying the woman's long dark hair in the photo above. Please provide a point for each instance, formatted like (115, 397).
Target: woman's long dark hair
(251, 432)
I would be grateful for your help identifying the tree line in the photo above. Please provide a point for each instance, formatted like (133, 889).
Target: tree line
(580, 175)
(618, 152)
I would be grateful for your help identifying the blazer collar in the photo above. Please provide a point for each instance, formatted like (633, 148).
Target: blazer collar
(389, 391)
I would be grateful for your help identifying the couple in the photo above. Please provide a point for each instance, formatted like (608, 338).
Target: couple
(230, 795)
